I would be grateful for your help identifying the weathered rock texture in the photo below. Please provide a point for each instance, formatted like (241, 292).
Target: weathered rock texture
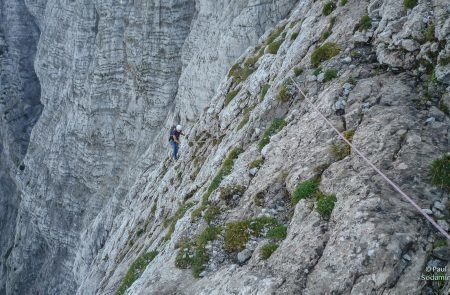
(96, 189)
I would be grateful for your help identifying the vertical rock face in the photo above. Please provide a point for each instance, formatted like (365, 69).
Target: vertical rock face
(19, 110)
(109, 74)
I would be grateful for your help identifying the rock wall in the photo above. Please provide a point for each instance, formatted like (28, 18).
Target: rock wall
(109, 73)
(101, 208)
(19, 110)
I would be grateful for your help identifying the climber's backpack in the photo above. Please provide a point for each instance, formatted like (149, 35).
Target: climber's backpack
(172, 132)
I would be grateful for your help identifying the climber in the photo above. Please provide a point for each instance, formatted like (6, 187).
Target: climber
(174, 139)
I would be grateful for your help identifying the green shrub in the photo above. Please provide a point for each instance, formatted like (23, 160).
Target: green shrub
(135, 271)
(343, 2)
(365, 23)
(274, 46)
(330, 74)
(440, 172)
(305, 189)
(294, 36)
(409, 4)
(324, 52)
(328, 8)
(284, 92)
(278, 232)
(298, 71)
(274, 127)
(263, 92)
(317, 71)
(267, 250)
(230, 96)
(236, 235)
(325, 205)
(256, 163)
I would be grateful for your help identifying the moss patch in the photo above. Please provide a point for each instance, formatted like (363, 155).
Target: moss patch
(135, 271)
(324, 52)
(274, 127)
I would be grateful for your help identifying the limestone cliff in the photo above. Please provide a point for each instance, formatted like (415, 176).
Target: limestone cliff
(265, 197)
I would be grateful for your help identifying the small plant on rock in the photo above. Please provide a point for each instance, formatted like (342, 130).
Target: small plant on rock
(409, 4)
(135, 271)
(328, 8)
(274, 127)
(278, 232)
(284, 92)
(440, 172)
(330, 74)
(274, 46)
(294, 36)
(325, 204)
(263, 92)
(343, 2)
(230, 96)
(365, 23)
(298, 71)
(305, 189)
(256, 163)
(267, 250)
(323, 53)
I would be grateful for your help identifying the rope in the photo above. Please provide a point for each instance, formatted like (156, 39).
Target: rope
(404, 195)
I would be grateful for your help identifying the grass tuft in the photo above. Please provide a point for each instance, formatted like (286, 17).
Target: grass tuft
(328, 8)
(274, 127)
(230, 96)
(135, 271)
(256, 163)
(298, 71)
(305, 189)
(267, 250)
(409, 4)
(330, 74)
(365, 23)
(294, 36)
(284, 92)
(440, 172)
(324, 52)
(274, 46)
(263, 92)
(325, 204)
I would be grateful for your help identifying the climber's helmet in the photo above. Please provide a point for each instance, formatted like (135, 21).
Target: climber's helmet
(179, 128)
